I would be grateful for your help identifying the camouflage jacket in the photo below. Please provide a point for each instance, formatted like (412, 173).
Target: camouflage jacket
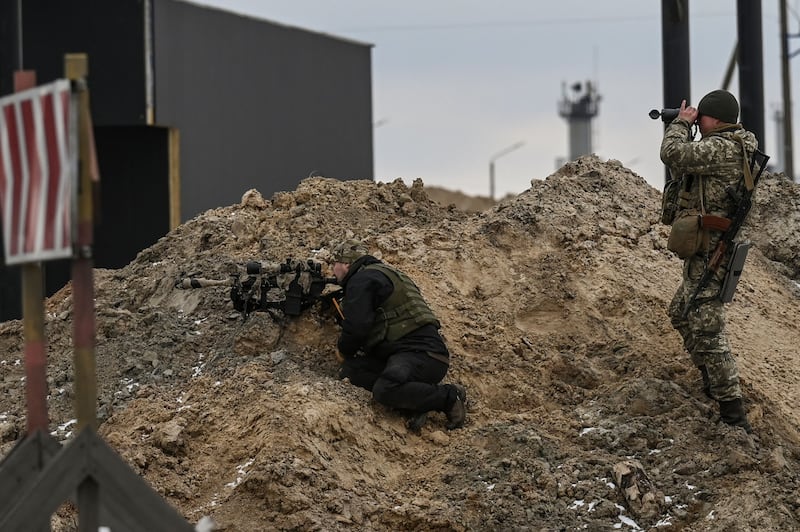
(716, 159)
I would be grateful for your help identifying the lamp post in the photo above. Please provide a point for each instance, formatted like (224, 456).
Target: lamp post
(494, 158)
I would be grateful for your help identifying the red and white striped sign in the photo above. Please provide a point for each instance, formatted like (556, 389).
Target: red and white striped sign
(38, 163)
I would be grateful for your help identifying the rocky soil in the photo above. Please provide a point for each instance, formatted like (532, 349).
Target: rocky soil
(585, 413)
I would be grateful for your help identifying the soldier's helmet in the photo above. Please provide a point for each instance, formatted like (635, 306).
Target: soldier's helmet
(349, 251)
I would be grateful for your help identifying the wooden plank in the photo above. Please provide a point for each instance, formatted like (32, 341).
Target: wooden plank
(174, 178)
(21, 466)
(88, 505)
(123, 499)
(24, 79)
(76, 67)
(129, 494)
(55, 484)
(35, 346)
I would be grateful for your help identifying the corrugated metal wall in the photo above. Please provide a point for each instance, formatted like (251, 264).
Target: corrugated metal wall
(258, 105)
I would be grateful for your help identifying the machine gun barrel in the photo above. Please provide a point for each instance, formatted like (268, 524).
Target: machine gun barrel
(186, 283)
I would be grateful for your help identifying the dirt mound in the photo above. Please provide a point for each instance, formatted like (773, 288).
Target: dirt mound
(460, 200)
(585, 411)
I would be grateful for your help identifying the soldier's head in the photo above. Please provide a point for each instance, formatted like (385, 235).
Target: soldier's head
(716, 108)
(344, 254)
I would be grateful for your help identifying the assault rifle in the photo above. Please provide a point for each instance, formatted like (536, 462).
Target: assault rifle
(744, 201)
(290, 287)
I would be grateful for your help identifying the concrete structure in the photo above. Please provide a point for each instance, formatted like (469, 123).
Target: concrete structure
(578, 106)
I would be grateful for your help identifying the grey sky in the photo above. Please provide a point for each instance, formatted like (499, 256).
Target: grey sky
(457, 81)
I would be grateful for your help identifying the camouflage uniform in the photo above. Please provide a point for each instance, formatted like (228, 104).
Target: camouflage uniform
(716, 160)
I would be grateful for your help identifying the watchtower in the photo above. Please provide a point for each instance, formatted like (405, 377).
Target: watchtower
(579, 105)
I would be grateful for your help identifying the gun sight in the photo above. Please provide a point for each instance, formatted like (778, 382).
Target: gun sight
(289, 266)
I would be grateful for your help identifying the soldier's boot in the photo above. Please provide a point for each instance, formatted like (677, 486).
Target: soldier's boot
(457, 413)
(416, 421)
(732, 413)
(706, 381)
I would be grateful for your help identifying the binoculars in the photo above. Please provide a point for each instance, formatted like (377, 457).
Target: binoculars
(667, 115)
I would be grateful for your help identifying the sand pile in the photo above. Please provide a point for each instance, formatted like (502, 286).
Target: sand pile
(585, 411)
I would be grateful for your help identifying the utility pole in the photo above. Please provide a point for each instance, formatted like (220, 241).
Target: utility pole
(751, 68)
(787, 157)
(675, 56)
(496, 156)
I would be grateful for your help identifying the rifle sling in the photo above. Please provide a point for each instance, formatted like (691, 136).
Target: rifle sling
(749, 183)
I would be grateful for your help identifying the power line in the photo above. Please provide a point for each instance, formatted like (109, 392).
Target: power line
(517, 23)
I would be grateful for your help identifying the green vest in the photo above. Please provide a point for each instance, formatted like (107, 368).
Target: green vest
(403, 312)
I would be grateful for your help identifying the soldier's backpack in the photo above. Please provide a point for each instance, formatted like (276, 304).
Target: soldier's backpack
(669, 201)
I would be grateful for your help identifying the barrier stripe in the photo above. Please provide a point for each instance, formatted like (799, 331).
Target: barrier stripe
(36, 175)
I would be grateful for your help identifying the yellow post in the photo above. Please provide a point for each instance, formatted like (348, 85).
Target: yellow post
(35, 347)
(76, 67)
(174, 178)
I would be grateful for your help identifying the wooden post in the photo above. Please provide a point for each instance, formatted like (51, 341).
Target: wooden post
(76, 67)
(174, 178)
(88, 505)
(35, 347)
(39, 474)
(33, 319)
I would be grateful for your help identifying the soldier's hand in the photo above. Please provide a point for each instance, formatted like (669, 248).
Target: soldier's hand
(687, 113)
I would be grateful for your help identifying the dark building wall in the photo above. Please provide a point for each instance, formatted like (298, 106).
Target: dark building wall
(258, 105)
(134, 205)
(9, 54)
(10, 292)
(110, 33)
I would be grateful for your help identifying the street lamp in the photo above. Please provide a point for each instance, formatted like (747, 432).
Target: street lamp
(494, 158)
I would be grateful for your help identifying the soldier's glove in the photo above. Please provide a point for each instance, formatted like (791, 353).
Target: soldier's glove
(236, 297)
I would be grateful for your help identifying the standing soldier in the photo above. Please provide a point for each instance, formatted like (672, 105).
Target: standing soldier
(707, 169)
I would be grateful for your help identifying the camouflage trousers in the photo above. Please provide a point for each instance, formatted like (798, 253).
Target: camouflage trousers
(703, 330)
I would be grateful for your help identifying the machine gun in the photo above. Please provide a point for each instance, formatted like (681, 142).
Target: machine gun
(744, 201)
(290, 287)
